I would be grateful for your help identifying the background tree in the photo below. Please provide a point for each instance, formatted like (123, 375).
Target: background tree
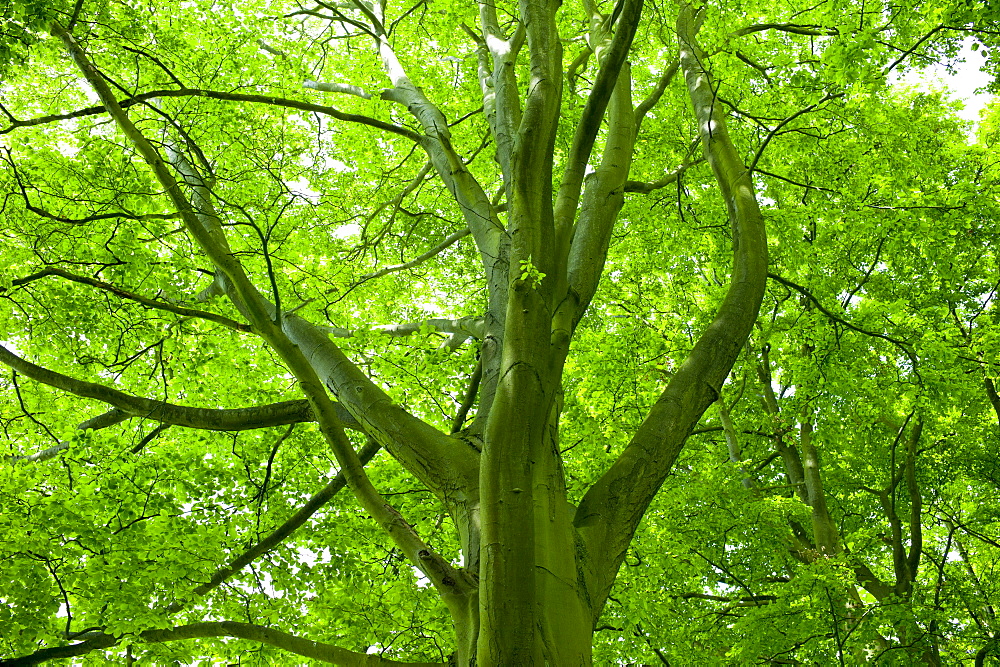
(522, 255)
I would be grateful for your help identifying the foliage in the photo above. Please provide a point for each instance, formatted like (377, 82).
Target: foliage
(566, 356)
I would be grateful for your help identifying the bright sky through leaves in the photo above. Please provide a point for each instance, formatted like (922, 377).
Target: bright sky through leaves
(963, 83)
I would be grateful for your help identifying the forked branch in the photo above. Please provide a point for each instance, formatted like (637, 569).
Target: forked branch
(441, 573)
(611, 509)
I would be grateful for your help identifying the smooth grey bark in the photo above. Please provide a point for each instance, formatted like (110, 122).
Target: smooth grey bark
(222, 419)
(521, 610)
(533, 604)
(612, 508)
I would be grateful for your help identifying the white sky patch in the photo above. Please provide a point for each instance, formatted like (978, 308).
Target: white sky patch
(848, 299)
(422, 580)
(782, 392)
(309, 557)
(303, 188)
(12, 346)
(89, 92)
(335, 164)
(962, 85)
(430, 307)
(67, 149)
(347, 231)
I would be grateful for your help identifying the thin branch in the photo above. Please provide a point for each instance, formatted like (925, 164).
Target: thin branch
(219, 95)
(420, 259)
(159, 63)
(912, 208)
(132, 296)
(75, 15)
(809, 295)
(753, 63)
(910, 50)
(280, 534)
(24, 408)
(160, 428)
(78, 221)
(975, 533)
(788, 180)
(864, 279)
(773, 132)
(754, 600)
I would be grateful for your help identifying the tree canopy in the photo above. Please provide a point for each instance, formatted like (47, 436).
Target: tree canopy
(483, 333)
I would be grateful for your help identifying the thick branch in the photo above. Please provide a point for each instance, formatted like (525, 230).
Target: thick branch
(459, 330)
(916, 504)
(603, 198)
(991, 393)
(478, 211)
(501, 99)
(796, 29)
(345, 88)
(825, 533)
(436, 459)
(593, 114)
(263, 317)
(201, 196)
(612, 508)
(234, 419)
(733, 445)
(789, 454)
(258, 633)
(468, 193)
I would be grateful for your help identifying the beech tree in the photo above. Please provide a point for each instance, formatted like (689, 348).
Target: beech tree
(433, 333)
